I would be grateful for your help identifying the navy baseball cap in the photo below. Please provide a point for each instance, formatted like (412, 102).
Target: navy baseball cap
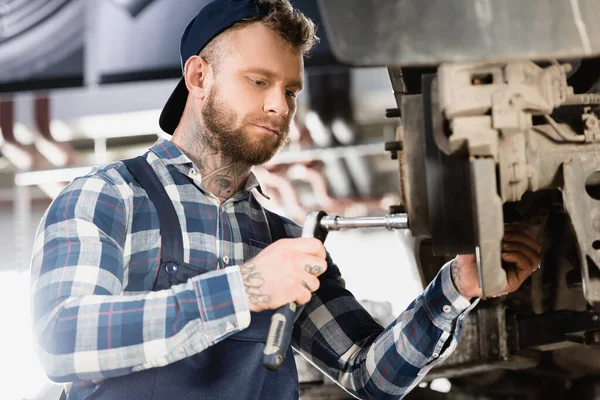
(213, 19)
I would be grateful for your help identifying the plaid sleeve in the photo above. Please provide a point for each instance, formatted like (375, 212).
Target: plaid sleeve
(85, 328)
(338, 335)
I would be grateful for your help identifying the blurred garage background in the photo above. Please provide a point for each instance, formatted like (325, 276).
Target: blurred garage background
(82, 84)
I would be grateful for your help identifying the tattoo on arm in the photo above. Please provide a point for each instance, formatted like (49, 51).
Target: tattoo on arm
(313, 269)
(253, 283)
(455, 273)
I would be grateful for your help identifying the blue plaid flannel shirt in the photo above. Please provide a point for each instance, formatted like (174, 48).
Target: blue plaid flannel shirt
(96, 256)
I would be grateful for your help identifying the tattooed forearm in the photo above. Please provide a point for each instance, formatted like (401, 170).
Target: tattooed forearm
(253, 283)
(313, 269)
(455, 272)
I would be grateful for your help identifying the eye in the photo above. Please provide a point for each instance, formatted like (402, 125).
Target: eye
(258, 82)
(290, 93)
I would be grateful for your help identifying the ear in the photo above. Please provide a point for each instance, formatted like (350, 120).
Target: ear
(196, 75)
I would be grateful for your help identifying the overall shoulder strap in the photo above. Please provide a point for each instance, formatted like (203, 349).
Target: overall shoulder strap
(170, 230)
(275, 226)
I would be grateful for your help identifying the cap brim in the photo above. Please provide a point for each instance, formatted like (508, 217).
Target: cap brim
(173, 109)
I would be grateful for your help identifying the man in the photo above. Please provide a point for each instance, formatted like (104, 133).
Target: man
(155, 278)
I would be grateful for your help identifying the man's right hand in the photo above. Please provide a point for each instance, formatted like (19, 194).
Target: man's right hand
(284, 272)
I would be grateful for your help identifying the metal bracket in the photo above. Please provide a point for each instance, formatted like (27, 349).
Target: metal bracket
(584, 212)
(488, 222)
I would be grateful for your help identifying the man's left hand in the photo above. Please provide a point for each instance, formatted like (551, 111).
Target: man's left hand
(518, 247)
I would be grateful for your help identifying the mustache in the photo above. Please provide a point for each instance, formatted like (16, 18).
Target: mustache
(280, 124)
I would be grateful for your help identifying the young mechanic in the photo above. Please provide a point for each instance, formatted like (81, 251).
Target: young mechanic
(155, 278)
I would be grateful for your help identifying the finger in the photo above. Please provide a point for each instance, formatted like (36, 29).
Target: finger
(310, 282)
(523, 239)
(528, 252)
(514, 279)
(306, 286)
(310, 246)
(516, 276)
(313, 265)
(304, 295)
(524, 266)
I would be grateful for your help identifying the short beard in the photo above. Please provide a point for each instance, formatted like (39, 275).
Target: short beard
(224, 133)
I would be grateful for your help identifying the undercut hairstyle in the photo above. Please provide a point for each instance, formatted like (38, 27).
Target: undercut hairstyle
(293, 27)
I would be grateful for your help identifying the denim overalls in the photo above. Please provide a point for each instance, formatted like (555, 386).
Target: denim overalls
(231, 369)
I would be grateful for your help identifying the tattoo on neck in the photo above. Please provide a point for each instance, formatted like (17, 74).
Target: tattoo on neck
(253, 283)
(221, 175)
(223, 181)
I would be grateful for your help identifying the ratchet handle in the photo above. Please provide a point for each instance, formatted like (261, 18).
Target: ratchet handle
(282, 321)
(280, 335)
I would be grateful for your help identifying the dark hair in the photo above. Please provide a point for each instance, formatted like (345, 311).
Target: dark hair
(293, 26)
(290, 24)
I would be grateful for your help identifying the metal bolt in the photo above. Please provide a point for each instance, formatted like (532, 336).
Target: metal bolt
(590, 122)
(595, 318)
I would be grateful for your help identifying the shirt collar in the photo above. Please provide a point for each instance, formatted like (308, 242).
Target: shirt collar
(171, 155)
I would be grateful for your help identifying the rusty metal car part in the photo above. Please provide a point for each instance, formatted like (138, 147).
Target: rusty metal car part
(492, 118)
(481, 115)
(497, 338)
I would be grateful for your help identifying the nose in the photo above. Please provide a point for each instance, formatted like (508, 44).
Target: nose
(276, 103)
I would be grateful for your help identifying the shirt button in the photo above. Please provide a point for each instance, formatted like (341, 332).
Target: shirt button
(225, 259)
(435, 355)
(171, 268)
(229, 327)
(447, 308)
